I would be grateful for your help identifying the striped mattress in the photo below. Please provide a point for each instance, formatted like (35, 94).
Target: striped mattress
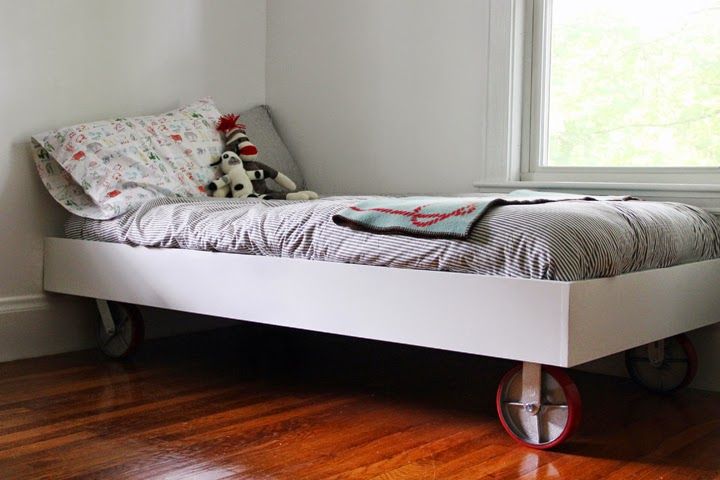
(569, 240)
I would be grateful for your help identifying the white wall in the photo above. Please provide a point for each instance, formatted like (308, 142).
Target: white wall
(372, 96)
(402, 96)
(63, 62)
(381, 96)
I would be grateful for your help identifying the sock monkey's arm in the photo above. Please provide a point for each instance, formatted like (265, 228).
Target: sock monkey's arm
(279, 177)
(284, 181)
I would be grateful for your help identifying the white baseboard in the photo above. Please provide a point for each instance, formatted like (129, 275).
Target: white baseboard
(37, 325)
(23, 303)
(40, 324)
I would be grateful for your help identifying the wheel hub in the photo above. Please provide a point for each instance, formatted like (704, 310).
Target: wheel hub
(532, 408)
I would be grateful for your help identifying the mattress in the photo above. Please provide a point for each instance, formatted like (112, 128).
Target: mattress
(565, 241)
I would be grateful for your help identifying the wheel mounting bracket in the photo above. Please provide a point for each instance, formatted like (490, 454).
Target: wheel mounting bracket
(656, 353)
(106, 316)
(531, 387)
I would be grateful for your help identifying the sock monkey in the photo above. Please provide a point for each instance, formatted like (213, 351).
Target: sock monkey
(245, 155)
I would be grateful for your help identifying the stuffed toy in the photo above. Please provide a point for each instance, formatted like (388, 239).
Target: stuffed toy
(238, 144)
(235, 180)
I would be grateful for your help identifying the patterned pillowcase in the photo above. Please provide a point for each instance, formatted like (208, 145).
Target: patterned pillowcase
(103, 169)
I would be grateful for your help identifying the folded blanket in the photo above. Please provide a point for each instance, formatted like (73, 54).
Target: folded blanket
(440, 217)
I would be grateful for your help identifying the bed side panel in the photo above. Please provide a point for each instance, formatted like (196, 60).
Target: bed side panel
(610, 315)
(500, 317)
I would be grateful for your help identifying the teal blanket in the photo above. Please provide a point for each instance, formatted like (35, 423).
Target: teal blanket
(439, 217)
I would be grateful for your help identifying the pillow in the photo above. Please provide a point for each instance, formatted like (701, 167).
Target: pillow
(103, 169)
(272, 150)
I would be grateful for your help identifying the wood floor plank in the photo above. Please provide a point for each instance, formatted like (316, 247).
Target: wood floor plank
(254, 402)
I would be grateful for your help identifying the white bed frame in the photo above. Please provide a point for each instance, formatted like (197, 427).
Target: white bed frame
(538, 322)
(534, 321)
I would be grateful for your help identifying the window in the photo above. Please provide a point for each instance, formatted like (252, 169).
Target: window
(623, 90)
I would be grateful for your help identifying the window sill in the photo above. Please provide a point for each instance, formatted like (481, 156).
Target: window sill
(706, 196)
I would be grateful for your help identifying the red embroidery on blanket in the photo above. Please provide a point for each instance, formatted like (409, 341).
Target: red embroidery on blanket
(420, 219)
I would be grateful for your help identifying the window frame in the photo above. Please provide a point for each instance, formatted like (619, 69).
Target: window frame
(535, 121)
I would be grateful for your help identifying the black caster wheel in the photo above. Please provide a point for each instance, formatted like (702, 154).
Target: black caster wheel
(664, 366)
(125, 333)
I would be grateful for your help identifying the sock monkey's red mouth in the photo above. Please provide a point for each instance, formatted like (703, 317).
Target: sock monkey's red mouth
(248, 150)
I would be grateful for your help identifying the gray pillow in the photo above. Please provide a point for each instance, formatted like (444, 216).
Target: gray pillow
(273, 151)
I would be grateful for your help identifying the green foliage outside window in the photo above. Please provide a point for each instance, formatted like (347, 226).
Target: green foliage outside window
(635, 83)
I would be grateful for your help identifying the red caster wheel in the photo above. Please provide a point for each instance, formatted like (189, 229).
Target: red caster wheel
(539, 406)
(664, 366)
(120, 330)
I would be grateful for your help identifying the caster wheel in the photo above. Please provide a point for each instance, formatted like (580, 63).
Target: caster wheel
(546, 425)
(129, 331)
(665, 373)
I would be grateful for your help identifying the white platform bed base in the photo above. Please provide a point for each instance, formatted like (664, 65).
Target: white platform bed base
(548, 322)
(534, 321)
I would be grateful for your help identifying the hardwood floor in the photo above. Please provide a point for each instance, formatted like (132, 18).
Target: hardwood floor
(236, 403)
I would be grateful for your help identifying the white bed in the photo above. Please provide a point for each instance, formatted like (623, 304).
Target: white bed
(513, 289)
(538, 322)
